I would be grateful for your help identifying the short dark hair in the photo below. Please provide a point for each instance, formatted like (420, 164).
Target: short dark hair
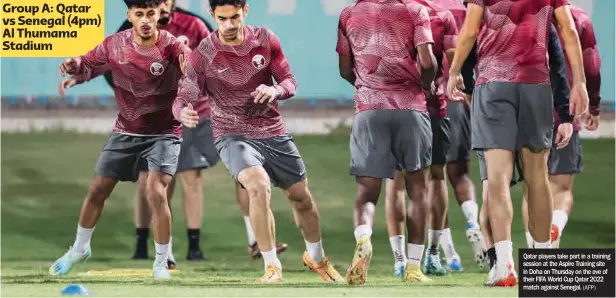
(142, 3)
(215, 3)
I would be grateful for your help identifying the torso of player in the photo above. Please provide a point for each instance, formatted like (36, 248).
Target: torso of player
(381, 38)
(512, 43)
(190, 31)
(232, 74)
(146, 83)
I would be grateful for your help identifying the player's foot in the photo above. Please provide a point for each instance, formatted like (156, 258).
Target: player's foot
(399, 269)
(433, 266)
(358, 271)
(272, 274)
(255, 253)
(475, 237)
(555, 236)
(502, 275)
(64, 264)
(195, 255)
(455, 264)
(324, 269)
(161, 270)
(413, 274)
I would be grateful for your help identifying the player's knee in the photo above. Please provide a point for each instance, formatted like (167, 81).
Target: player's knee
(437, 172)
(98, 193)
(301, 199)
(259, 187)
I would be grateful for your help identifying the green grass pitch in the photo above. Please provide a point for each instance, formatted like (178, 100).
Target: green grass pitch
(45, 177)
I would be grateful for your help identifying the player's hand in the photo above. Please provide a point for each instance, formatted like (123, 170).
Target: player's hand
(182, 60)
(265, 94)
(189, 117)
(563, 135)
(65, 84)
(69, 66)
(455, 84)
(578, 104)
(590, 122)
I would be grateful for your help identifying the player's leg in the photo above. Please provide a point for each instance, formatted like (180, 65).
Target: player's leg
(170, 191)
(494, 127)
(161, 154)
(371, 162)
(395, 215)
(142, 218)
(412, 149)
(115, 164)
(458, 173)
(288, 172)
(536, 124)
(245, 163)
(438, 195)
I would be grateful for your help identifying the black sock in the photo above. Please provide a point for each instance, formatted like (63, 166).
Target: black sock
(142, 238)
(492, 256)
(193, 239)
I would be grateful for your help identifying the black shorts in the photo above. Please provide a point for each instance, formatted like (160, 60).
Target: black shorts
(125, 155)
(440, 140)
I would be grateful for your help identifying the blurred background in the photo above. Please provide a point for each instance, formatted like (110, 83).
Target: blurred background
(50, 145)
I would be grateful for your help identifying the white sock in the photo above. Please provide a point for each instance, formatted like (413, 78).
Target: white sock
(504, 251)
(271, 258)
(369, 210)
(529, 240)
(433, 241)
(397, 247)
(447, 244)
(471, 211)
(82, 240)
(414, 254)
(170, 255)
(315, 251)
(363, 230)
(162, 252)
(543, 244)
(252, 239)
(559, 218)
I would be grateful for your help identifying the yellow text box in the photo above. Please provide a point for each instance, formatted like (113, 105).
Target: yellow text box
(51, 28)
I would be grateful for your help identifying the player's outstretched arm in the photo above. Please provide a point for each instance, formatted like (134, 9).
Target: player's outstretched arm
(466, 40)
(558, 76)
(281, 70)
(346, 62)
(422, 40)
(566, 26)
(191, 84)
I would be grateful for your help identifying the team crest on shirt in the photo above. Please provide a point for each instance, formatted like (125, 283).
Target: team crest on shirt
(258, 61)
(157, 69)
(183, 39)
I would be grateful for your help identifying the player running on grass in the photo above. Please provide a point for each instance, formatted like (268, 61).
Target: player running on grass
(444, 34)
(236, 66)
(197, 151)
(512, 107)
(145, 63)
(385, 51)
(564, 163)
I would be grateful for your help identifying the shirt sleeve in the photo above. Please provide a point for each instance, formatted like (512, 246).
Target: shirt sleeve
(192, 81)
(90, 64)
(281, 70)
(422, 33)
(558, 76)
(343, 47)
(592, 65)
(451, 32)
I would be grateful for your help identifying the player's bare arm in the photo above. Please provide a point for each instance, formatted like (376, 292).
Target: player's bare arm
(466, 40)
(592, 69)
(566, 27)
(429, 66)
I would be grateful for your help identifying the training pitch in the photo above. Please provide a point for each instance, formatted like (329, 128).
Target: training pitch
(45, 178)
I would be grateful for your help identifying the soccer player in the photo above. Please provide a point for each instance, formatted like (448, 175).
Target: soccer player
(560, 90)
(385, 51)
(236, 66)
(563, 164)
(512, 107)
(197, 151)
(444, 34)
(146, 65)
